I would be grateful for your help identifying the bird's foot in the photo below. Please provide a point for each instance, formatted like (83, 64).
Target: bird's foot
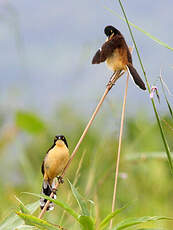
(60, 180)
(54, 190)
(110, 83)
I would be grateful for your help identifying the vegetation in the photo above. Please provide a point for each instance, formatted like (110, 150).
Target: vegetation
(144, 193)
(144, 179)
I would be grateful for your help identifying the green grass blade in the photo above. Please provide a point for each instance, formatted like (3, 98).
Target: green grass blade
(135, 221)
(22, 207)
(59, 203)
(168, 104)
(107, 219)
(86, 222)
(11, 220)
(168, 152)
(34, 221)
(169, 107)
(14, 220)
(26, 227)
(147, 156)
(152, 100)
(150, 229)
(82, 204)
(141, 30)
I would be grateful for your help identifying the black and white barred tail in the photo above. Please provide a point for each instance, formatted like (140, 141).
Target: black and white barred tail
(47, 190)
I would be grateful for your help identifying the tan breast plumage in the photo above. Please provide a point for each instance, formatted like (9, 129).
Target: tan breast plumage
(117, 61)
(55, 161)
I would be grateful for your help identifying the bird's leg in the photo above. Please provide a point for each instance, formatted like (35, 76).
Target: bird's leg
(53, 187)
(60, 179)
(110, 83)
(114, 78)
(54, 190)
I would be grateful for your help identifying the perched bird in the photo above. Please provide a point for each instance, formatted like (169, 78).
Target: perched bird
(117, 55)
(53, 164)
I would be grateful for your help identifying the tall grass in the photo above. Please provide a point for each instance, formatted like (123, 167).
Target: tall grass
(82, 212)
(152, 100)
(140, 135)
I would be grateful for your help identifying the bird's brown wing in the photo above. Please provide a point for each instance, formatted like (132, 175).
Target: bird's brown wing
(107, 49)
(129, 56)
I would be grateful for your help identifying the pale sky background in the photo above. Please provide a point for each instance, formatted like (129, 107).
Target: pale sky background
(47, 48)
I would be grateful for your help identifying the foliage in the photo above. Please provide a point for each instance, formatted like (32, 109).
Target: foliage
(167, 149)
(29, 122)
(143, 176)
(86, 221)
(137, 155)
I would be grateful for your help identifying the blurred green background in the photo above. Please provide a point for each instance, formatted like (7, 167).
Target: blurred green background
(144, 180)
(49, 87)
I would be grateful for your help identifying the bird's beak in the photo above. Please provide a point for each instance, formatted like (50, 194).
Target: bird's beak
(59, 143)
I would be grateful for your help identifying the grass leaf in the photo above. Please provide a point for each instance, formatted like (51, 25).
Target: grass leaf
(14, 220)
(135, 221)
(168, 104)
(106, 220)
(147, 156)
(152, 100)
(86, 222)
(59, 203)
(149, 229)
(22, 207)
(26, 227)
(34, 221)
(141, 30)
(29, 122)
(82, 204)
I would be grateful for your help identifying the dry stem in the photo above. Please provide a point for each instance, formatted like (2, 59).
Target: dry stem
(108, 88)
(119, 148)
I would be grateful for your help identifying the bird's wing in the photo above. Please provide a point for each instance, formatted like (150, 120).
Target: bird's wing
(129, 56)
(107, 49)
(42, 168)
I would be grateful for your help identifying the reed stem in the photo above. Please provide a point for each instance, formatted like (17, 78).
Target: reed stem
(114, 78)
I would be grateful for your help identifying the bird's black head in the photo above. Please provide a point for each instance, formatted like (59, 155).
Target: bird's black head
(110, 30)
(62, 138)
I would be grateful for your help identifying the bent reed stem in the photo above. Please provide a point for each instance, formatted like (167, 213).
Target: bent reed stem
(119, 148)
(114, 78)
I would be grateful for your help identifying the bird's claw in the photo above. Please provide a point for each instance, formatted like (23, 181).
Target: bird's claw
(54, 190)
(60, 180)
(110, 84)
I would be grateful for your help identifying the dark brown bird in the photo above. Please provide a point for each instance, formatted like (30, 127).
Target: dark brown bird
(117, 55)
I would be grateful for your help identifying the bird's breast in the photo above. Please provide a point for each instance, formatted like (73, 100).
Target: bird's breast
(118, 60)
(55, 161)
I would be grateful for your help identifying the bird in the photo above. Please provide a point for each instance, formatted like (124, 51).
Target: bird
(116, 54)
(54, 162)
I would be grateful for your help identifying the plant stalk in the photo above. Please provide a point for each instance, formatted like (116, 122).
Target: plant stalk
(119, 147)
(152, 100)
(114, 78)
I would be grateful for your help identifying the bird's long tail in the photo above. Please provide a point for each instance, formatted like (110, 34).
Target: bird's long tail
(47, 190)
(137, 79)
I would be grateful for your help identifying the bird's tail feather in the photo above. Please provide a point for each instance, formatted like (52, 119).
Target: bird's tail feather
(137, 79)
(47, 190)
